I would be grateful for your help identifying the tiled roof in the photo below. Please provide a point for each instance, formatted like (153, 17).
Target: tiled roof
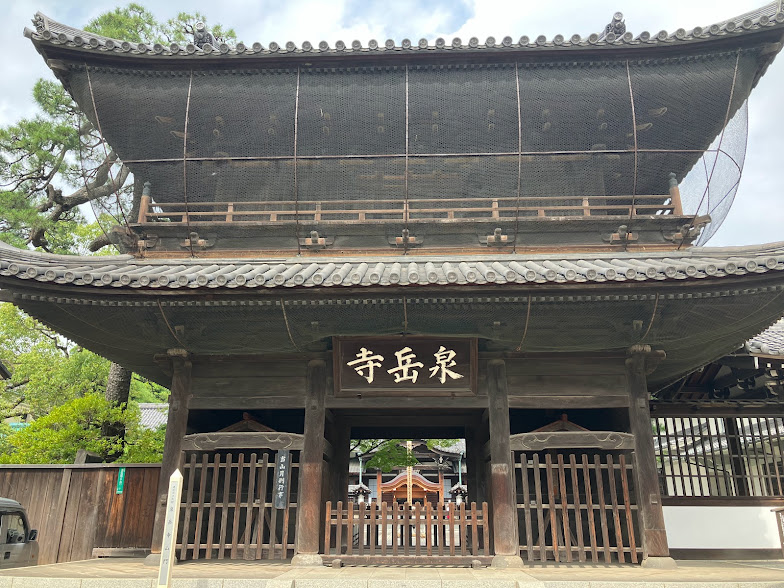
(769, 342)
(125, 271)
(153, 414)
(54, 33)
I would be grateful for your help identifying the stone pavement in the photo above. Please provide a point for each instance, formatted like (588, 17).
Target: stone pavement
(131, 573)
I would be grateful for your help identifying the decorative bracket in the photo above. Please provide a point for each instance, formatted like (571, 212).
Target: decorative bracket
(622, 235)
(689, 232)
(315, 241)
(194, 240)
(148, 242)
(405, 240)
(497, 239)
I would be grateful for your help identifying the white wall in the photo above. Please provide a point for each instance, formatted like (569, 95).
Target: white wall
(721, 527)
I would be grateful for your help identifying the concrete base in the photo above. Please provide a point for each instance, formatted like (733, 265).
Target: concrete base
(507, 561)
(153, 560)
(307, 560)
(659, 563)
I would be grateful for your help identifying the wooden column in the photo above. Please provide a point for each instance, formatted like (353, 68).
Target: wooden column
(476, 436)
(309, 514)
(654, 535)
(338, 469)
(504, 509)
(738, 471)
(176, 426)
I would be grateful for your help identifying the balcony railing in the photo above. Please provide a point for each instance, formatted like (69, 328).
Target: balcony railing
(387, 211)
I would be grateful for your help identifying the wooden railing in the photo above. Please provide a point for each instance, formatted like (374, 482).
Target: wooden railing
(574, 505)
(385, 211)
(400, 532)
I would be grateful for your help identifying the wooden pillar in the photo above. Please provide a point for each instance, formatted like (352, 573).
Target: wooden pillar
(656, 552)
(475, 437)
(738, 470)
(504, 509)
(176, 426)
(309, 514)
(341, 446)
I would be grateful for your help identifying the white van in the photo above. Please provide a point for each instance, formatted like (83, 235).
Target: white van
(19, 546)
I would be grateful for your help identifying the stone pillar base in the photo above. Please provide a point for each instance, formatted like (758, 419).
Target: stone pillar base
(659, 563)
(507, 561)
(153, 560)
(307, 560)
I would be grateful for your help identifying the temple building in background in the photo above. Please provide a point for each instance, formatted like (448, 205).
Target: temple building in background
(501, 242)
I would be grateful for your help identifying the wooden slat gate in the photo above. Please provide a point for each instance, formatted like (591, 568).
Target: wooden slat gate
(227, 509)
(573, 503)
(406, 534)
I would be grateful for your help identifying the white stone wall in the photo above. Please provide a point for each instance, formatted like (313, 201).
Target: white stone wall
(721, 527)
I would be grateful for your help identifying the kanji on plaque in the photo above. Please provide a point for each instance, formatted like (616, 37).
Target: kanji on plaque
(406, 365)
(280, 493)
(366, 364)
(445, 359)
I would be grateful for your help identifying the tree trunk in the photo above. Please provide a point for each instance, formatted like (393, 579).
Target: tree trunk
(118, 387)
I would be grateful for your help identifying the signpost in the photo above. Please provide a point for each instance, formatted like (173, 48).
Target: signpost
(282, 466)
(120, 480)
(170, 529)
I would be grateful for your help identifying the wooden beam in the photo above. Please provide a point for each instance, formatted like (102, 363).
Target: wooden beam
(502, 493)
(309, 517)
(654, 533)
(176, 427)
(607, 440)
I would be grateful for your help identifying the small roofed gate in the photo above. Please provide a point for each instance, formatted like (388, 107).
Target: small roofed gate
(407, 533)
(240, 496)
(576, 497)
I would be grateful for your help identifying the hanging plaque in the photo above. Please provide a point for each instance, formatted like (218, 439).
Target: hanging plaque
(402, 366)
(281, 484)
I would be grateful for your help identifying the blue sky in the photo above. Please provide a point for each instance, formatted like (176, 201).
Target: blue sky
(757, 215)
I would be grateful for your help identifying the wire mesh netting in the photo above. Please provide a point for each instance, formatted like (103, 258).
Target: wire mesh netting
(396, 144)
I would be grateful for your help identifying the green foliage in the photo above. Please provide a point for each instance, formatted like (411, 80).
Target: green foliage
(388, 454)
(77, 424)
(48, 370)
(137, 24)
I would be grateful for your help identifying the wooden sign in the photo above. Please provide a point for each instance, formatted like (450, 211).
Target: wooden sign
(405, 366)
(170, 530)
(281, 483)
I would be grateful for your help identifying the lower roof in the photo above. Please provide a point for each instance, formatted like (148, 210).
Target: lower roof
(697, 305)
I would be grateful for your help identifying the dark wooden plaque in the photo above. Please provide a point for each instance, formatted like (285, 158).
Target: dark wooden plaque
(405, 366)
(281, 484)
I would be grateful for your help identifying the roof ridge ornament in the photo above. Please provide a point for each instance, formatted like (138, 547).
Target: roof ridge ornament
(201, 36)
(616, 27)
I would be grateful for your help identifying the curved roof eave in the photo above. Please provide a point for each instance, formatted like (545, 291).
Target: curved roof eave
(128, 273)
(52, 35)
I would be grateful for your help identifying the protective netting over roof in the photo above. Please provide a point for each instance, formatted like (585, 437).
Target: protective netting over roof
(542, 139)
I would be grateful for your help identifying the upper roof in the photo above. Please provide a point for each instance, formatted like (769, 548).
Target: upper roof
(49, 32)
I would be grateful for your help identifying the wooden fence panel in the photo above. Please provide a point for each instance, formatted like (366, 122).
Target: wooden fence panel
(564, 501)
(227, 509)
(405, 533)
(76, 508)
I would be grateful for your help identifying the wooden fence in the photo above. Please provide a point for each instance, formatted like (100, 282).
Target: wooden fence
(228, 509)
(569, 507)
(76, 508)
(399, 533)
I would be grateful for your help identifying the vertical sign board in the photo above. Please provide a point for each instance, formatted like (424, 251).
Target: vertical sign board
(120, 480)
(282, 466)
(173, 499)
